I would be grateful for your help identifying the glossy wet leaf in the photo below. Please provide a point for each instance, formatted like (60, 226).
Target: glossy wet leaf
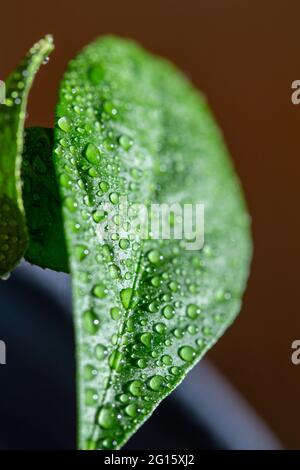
(13, 233)
(130, 126)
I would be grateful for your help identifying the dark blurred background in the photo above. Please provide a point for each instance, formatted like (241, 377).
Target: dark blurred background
(244, 56)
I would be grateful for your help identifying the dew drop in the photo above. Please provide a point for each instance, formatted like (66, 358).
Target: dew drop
(125, 296)
(100, 351)
(124, 398)
(173, 286)
(187, 353)
(88, 200)
(92, 153)
(218, 318)
(115, 359)
(136, 388)
(106, 418)
(178, 333)
(166, 360)
(89, 372)
(64, 180)
(114, 198)
(115, 313)
(124, 243)
(104, 186)
(154, 257)
(99, 215)
(107, 252)
(166, 297)
(99, 291)
(146, 339)
(125, 142)
(153, 307)
(90, 322)
(155, 281)
(64, 124)
(160, 328)
(92, 172)
(192, 329)
(168, 312)
(131, 410)
(91, 397)
(207, 331)
(114, 271)
(71, 204)
(227, 295)
(200, 343)
(141, 363)
(193, 288)
(107, 443)
(155, 382)
(109, 108)
(192, 311)
(81, 252)
(175, 370)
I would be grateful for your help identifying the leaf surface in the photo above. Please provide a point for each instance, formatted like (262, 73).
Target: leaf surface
(42, 202)
(13, 232)
(130, 127)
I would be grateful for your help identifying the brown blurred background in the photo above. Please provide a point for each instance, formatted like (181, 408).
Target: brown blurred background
(243, 55)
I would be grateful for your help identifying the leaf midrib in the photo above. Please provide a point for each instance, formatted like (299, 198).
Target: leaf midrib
(121, 334)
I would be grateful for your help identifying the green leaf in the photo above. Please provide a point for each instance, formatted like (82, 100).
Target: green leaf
(13, 233)
(42, 202)
(129, 125)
